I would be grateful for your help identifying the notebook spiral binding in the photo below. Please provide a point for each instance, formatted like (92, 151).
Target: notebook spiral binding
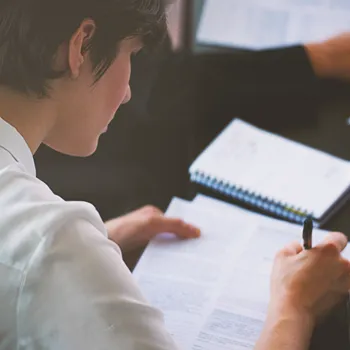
(253, 199)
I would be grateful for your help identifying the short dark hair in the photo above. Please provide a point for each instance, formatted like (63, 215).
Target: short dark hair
(31, 32)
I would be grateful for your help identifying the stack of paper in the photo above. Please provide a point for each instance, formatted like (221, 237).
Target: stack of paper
(257, 24)
(214, 291)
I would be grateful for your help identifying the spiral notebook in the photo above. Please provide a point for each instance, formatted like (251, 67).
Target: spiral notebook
(272, 174)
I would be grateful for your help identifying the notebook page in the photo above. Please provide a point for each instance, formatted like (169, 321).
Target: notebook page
(275, 167)
(259, 24)
(215, 290)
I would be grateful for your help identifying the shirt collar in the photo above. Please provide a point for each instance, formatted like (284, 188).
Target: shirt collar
(13, 142)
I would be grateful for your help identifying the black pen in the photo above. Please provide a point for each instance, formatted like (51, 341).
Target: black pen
(307, 233)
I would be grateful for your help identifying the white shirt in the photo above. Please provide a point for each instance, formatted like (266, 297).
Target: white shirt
(63, 284)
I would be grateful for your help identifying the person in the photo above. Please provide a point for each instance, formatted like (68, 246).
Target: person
(64, 71)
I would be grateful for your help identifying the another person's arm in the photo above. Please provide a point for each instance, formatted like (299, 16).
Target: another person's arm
(238, 82)
(267, 82)
(328, 58)
(305, 286)
(289, 73)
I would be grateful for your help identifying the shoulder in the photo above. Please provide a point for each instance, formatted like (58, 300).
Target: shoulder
(33, 216)
(77, 293)
(75, 290)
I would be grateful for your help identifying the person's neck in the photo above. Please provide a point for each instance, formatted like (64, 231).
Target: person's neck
(32, 117)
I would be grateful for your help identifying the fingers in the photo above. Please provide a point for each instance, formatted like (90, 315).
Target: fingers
(345, 281)
(180, 228)
(158, 223)
(175, 226)
(333, 245)
(335, 239)
(293, 248)
(150, 210)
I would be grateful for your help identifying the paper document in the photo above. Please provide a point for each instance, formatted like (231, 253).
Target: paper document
(214, 291)
(257, 24)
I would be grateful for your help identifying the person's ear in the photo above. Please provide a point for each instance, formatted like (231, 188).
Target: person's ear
(77, 46)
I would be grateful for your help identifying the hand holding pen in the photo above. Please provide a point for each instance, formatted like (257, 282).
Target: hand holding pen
(310, 282)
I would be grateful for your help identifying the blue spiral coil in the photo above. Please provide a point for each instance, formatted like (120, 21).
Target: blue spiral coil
(253, 199)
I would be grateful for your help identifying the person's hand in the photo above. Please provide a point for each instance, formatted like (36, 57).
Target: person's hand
(139, 227)
(310, 283)
(331, 58)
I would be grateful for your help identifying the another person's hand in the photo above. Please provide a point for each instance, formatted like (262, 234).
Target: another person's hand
(310, 283)
(331, 58)
(139, 227)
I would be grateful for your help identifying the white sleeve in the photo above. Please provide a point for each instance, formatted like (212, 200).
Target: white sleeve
(79, 294)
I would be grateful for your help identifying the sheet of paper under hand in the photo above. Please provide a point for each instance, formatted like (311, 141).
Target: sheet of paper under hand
(214, 291)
